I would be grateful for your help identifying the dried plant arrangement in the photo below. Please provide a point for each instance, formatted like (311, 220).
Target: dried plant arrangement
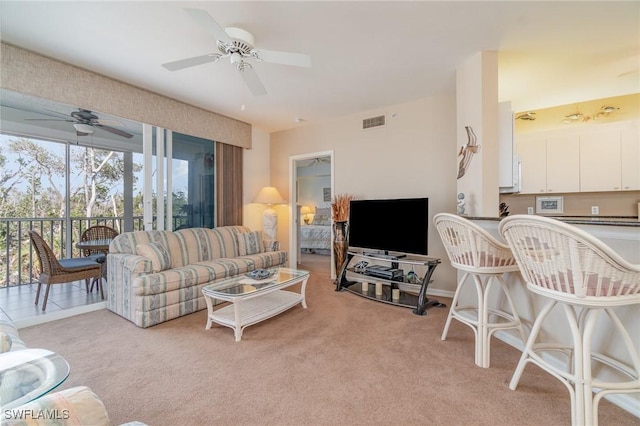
(340, 207)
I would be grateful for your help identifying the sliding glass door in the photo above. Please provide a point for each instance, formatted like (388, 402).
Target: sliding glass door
(183, 166)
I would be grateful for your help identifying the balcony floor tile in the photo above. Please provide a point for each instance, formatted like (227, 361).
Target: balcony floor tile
(17, 303)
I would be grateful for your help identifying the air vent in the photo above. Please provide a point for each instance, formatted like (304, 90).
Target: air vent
(372, 122)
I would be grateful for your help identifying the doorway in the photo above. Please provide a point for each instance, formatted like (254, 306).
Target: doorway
(311, 233)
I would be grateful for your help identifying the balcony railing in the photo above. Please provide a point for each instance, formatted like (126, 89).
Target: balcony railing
(18, 260)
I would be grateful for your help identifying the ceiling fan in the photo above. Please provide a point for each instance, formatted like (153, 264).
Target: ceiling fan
(237, 45)
(84, 121)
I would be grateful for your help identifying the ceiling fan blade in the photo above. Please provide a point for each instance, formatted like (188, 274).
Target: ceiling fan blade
(191, 62)
(251, 79)
(60, 114)
(208, 23)
(108, 122)
(113, 130)
(284, 58)
(49, 119)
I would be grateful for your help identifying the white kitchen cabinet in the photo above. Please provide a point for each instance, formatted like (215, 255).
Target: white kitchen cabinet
(550, 164)
(630, 156)
(533, 169)
(563, 164)
(591, 158)
(600, 165)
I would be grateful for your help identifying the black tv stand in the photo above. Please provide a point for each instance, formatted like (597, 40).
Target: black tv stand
(411, 294)
(384, 255)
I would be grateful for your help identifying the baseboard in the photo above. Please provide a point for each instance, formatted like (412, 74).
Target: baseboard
(57, 315)
(440, 293)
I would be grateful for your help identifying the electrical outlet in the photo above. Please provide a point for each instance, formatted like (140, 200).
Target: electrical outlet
(595, 210)
(529, 210)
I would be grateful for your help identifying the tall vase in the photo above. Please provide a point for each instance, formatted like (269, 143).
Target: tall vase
(340, 244)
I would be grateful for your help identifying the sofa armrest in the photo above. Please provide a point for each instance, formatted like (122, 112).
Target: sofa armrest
(74, 406)
(133, 263)
(9, 337)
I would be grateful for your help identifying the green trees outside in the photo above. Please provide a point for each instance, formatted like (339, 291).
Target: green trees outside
(33, 194)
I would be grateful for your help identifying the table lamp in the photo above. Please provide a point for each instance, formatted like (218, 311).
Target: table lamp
(306, 211)
(269, 195)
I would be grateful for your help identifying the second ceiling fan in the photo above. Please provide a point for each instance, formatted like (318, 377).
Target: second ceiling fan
(238, 45)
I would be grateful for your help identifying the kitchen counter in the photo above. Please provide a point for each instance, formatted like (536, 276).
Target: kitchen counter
(584, 220)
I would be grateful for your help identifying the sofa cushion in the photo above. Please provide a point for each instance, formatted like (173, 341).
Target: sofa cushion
(204, 244)
(250, 243)
(185, 277)
(157, 254)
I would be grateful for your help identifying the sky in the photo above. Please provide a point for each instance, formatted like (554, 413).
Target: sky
(180, 167)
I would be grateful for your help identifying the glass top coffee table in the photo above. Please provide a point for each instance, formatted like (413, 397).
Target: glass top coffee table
(253, 300)
(28, 374)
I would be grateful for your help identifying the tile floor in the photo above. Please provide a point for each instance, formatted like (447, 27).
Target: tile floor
(17, 303)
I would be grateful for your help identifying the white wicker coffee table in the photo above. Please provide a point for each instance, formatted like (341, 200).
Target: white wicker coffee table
(252, 300)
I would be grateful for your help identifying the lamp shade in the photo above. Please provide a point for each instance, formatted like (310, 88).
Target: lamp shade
(269, 195)
(306, 210)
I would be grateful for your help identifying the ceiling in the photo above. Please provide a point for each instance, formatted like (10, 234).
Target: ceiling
(365, 55)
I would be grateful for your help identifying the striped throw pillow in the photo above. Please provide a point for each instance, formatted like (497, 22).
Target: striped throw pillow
(250, 243)
(157, 254)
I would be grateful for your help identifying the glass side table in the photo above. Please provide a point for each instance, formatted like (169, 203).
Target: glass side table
(28, 374)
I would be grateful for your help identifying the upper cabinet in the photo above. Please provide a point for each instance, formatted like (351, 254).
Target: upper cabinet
(533, 165)
(589, 159)
(563, 164)
(630, 154)
(549, 164)
(600, 161)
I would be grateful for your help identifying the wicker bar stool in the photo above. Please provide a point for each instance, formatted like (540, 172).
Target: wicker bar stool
(484, 259)
(586, 279)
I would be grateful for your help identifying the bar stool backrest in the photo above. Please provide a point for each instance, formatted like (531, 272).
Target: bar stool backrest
(567, 263)
(471, 248)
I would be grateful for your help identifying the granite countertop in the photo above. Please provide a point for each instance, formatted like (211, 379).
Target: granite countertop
(584, 220)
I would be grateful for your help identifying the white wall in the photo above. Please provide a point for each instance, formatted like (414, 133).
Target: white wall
(256, 175)
(477, 107)
(413, 156)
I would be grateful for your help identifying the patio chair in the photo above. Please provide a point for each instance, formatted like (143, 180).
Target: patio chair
(97, 233)
(579, 273)
(54, 271)
(480, 256)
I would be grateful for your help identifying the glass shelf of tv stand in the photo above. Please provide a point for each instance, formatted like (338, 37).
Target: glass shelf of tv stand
(411, 294)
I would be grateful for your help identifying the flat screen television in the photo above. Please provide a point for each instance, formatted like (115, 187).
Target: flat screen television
(396, 225)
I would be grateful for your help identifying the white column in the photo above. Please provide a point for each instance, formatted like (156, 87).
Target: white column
(160, 162)
(169, 154)
(147, 153)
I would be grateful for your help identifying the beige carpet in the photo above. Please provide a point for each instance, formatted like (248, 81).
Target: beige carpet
(344, 360)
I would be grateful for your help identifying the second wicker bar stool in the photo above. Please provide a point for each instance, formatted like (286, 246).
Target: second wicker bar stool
(588, 281)
(483, 261)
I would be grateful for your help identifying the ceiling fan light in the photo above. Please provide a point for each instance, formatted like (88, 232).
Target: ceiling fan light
(83, 128)
(236, 58)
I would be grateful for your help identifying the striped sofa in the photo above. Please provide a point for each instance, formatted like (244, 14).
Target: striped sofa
(156, 276)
